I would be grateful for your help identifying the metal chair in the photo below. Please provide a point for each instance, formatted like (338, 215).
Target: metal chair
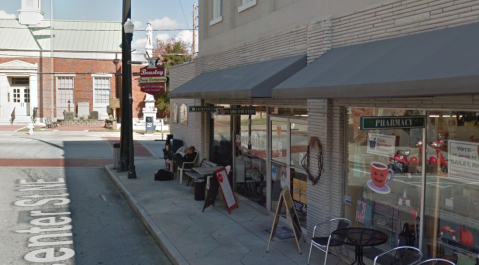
(404, 255)
(435, 260)
(326, 242)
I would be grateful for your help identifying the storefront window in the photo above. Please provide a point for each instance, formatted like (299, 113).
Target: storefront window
(452, 186)
(289, 144)
(384, 178)
(250, 148)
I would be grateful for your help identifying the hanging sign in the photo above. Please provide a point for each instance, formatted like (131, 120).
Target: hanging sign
(285, 197)
(463, 159)
(152, 78)
(236, 111)
(380, 123)
(203, 108)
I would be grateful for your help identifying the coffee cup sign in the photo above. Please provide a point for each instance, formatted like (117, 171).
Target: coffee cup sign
(379, 178)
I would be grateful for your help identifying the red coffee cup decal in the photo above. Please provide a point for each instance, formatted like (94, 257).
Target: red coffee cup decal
(379, 173)
(379, 178)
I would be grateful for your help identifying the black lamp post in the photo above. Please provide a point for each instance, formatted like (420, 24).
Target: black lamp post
(129, 28)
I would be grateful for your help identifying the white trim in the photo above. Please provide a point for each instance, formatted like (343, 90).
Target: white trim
(73, 75)
(216, 20)
(102, 75)
(246, 6)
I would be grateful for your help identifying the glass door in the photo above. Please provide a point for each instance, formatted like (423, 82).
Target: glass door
(21, 100)
(289, 141)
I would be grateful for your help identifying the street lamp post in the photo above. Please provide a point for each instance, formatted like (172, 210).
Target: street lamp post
(129, 28)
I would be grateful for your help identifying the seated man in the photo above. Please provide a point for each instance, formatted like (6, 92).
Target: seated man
(190, 156)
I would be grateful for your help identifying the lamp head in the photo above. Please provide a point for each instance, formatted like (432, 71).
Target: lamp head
(129, 26)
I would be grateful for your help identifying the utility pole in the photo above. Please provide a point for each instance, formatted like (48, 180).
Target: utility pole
(194, 30)
(125, 115)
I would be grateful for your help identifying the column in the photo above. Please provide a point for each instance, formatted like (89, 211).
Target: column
(4, 97)
(33, 92)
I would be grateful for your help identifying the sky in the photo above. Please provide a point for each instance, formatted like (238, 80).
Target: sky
(164, 15)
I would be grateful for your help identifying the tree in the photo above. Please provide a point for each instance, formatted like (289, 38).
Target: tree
(170, 52)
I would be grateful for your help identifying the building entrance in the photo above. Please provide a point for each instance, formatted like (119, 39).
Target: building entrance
(20, 92)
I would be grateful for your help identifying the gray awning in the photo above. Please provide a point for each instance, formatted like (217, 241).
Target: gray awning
(440, 62)
(248, 81)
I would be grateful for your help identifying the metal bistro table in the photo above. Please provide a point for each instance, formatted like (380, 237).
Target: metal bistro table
(359, 238)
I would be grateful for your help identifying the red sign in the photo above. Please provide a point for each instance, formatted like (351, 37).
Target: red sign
(152, 80)
(225, 186)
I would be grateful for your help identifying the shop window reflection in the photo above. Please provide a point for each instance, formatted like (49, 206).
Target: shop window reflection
(250, 149)
(384, 178)
(452, 186)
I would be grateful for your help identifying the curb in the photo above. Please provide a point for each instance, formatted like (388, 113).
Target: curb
(163, 242)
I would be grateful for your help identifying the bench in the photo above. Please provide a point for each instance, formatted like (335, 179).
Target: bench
(193, 175)
(49, 123)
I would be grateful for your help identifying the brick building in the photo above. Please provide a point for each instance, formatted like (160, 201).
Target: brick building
(79, 67)
(380, 59)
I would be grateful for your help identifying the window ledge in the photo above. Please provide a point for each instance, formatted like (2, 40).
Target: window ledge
(216, 20)
(246, 6)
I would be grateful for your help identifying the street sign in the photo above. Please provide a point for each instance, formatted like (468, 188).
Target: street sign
(203, 108)
(236, 111)
(152, 79)
(381, 123)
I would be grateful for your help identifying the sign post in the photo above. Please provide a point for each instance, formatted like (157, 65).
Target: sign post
(285, 197)
(221, 181)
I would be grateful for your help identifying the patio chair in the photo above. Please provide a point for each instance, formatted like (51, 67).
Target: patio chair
(404, 255)
(326, 242)
(436, 260)
(172, 162)
(180, 170)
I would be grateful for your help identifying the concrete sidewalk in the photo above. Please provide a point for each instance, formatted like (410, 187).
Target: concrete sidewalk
(189, 236)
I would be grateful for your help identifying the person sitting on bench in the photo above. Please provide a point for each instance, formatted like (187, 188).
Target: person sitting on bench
(189, 156)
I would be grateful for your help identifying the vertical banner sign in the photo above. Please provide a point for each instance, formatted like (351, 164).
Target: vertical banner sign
(463, 160)
(225, 186)
(152, 78)
(285, 197)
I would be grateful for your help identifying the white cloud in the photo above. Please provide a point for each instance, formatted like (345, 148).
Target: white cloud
(163, 36)
(4, 14)
(139, 44)
(187, 36)
(165, 23)
(138, 25)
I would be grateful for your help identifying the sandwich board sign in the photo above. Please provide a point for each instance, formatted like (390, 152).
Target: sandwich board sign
(221, 181)
(285, 198)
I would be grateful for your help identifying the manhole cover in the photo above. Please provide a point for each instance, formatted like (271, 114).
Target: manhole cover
(111, 197)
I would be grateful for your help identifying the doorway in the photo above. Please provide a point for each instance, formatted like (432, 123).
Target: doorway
(289, 144)
(21, 95)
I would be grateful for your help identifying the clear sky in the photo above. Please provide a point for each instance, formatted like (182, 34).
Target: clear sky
(163, 14)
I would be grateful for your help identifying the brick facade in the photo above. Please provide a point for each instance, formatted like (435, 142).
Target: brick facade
(82, 69)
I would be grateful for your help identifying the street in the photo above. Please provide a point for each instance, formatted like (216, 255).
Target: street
(59, 206)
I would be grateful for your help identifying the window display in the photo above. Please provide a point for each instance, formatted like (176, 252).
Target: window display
(385, 176)
(383, 181)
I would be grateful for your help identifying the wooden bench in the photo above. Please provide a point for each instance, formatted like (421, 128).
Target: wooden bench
(193, 175)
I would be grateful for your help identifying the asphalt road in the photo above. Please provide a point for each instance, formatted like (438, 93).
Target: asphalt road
(77, 216)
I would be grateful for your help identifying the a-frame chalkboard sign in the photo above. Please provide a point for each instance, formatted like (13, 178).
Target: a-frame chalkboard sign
(285, 197)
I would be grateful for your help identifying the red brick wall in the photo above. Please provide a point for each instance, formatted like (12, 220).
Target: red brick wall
(83, 92)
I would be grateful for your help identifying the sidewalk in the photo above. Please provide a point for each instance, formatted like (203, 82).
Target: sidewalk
(189, 236)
